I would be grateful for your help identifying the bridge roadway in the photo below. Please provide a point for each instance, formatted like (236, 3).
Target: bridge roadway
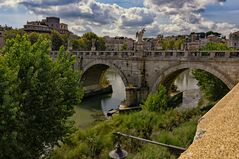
(143, 71)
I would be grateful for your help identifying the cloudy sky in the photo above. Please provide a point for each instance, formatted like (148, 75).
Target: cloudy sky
(125, 17)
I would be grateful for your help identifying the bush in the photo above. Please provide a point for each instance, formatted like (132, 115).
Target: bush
(171, 127)
(157, 101)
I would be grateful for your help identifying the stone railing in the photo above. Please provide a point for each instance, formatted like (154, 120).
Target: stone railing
(186, 55)
(217, 131)
(100, 54)
(193, 54)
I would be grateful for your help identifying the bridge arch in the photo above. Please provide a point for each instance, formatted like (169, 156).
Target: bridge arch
(93, 71)
(169, 74)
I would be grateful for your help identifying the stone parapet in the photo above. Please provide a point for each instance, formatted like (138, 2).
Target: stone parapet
(217, 134)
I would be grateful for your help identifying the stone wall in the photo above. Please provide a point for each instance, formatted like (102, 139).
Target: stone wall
(217, 134)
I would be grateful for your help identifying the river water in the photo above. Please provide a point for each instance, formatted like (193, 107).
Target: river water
(96, 107)
(93, 108)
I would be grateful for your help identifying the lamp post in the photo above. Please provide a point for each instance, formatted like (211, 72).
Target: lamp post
(118, 153)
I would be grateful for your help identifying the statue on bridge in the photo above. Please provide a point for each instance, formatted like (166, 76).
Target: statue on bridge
(140, 34)
(93, 47)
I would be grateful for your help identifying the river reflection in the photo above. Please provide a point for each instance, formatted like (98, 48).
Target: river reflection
(91, 108)
(187, 84)
(95, 106)
(186, 81)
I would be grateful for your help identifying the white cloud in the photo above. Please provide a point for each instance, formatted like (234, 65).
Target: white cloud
(157, 16)
(9, 3)
(185, 16)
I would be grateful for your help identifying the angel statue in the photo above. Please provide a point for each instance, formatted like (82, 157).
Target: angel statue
(140, 34)
(93, 47)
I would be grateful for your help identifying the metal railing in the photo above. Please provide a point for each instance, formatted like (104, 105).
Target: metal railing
(175, 149)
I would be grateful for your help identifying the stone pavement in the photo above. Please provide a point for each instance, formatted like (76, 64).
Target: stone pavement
(217, 135)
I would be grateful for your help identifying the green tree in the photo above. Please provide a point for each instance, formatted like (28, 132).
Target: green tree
(37, 98)
(212, 87)
(124, 47)
(172, 44)
(215, 46)
(8, 112)
(34, 37)
(12, 33)
(57, 40)
(65, 38)
(178, 43)
(75, 44)
(100, 44)
(86, 42)
(157, 101)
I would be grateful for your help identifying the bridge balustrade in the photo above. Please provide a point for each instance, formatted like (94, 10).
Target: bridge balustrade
(205, 54)
(93, 53)
(220, 54)
(180, 54)
(158, 54)
(170, 54)
(194, 54)
(234, 54)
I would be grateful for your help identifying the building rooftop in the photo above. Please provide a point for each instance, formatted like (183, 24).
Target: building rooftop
(46, 25)
(235, 33)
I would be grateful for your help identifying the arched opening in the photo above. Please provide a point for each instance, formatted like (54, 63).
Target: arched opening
(97, 77)
(169, 74)
(100, 77)
(181, 77)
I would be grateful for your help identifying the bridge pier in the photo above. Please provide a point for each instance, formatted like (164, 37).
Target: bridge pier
(135, 95)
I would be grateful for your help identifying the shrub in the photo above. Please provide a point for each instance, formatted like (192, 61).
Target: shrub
(157, 101)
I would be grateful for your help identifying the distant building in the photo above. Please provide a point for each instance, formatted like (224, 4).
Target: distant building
(47, 25)
(153, 44)
(117, 43)
(192, 46)
(3, 29)
(233, 41)
(197, 40)
(215, 39)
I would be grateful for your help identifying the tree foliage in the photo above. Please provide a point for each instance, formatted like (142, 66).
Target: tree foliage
(212, 87)
(215, 46)
(37, 97)
(57, 40)
(33, 37)
(157, 101)
(85, 42)
(172, 44)
(75, 44)
(124, 47)
(12, 33)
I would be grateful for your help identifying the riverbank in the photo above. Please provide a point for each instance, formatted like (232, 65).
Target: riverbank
(171, 127)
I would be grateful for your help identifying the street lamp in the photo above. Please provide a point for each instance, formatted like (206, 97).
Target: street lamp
(118, 153)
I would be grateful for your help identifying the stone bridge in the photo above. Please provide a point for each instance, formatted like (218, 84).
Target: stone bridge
(143, 71)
